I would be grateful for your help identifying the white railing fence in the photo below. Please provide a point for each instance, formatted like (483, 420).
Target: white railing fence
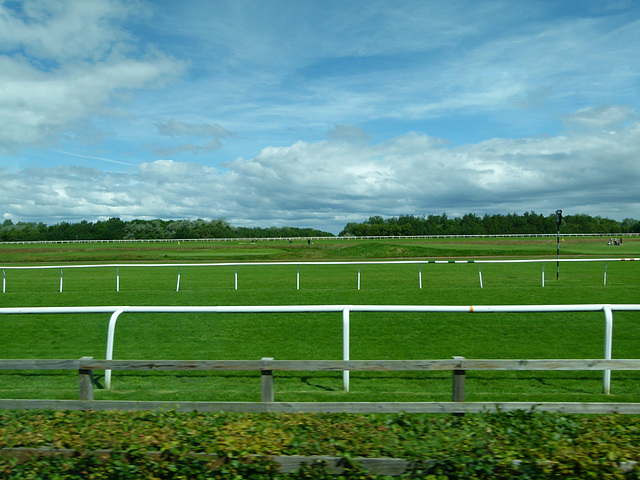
(334, 238)
(346, 310)
(420, 263)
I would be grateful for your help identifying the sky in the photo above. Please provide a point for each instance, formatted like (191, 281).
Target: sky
(317, 113)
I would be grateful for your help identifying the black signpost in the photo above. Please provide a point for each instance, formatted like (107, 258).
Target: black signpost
(558, 222)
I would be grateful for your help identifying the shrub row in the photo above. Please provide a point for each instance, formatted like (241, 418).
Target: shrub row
(531, 445)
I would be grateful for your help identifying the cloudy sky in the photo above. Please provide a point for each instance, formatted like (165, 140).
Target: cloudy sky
(317, 113)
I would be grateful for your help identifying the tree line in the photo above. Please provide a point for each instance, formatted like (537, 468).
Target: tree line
(116, 229)
(469, 224)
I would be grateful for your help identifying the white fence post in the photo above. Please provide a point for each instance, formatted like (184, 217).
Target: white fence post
(117, 280)
(420, 275)
(298, 279)
(60, 280)
(236, 277)
(480, 273)
(605, 273)
(110, 334)
(178, 284)
(345, 347)
(543, 265)
(4, 282)
(608, 344)
(358, 277)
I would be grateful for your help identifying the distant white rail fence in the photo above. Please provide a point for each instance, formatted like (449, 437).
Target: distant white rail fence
(116, 311)
(335, 238)
(420, 263)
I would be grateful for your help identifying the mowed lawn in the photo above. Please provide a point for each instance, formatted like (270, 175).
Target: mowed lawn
(381, 335)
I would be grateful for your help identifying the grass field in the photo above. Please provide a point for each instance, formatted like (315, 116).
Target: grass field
(319, 336)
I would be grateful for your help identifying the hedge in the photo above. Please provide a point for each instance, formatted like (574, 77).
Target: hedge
(117, 445)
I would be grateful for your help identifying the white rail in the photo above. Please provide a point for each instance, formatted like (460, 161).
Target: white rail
(297, 264)
(335, 238)
(116, 311)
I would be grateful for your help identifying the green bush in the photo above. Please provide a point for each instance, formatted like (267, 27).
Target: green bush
(519, 444)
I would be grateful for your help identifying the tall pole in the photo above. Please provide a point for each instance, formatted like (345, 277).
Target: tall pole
(558, 222)
(558, 256)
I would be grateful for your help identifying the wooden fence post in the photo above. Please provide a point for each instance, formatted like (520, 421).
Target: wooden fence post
(85, 377)
(459, 377)
(266, 376)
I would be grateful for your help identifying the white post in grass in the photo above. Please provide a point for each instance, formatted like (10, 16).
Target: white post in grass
(110, 335)
(608, 341)
(543, 265)
(358, 277)
(236, 277)
(117, 280)
(420, 275)
(480, 274)
(298, 279)
(4, 282)
(60, 280)
(605, 273)
(345, 347)
(178, 284)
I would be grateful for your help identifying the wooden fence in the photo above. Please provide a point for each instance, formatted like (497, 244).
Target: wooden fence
(267, 366)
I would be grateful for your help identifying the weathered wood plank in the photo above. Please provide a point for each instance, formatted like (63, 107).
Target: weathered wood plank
(365, 365)
(326, 407)
(32, 364)
(323, 365)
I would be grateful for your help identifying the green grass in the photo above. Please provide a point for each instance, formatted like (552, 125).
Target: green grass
(334, 249)
(319, 336)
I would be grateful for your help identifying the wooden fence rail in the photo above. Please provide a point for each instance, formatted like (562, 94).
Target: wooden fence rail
(458, 363)
(267, 366)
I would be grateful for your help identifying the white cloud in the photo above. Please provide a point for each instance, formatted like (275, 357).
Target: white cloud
(601, 117)
(55, 30)
(175, 128)
(77, 69)
(324, 184)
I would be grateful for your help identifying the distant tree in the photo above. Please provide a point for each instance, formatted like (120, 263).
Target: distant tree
(471, 224)
(112, 229)
(631, 226)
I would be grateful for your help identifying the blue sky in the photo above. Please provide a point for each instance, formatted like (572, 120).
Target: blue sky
(317, 113)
